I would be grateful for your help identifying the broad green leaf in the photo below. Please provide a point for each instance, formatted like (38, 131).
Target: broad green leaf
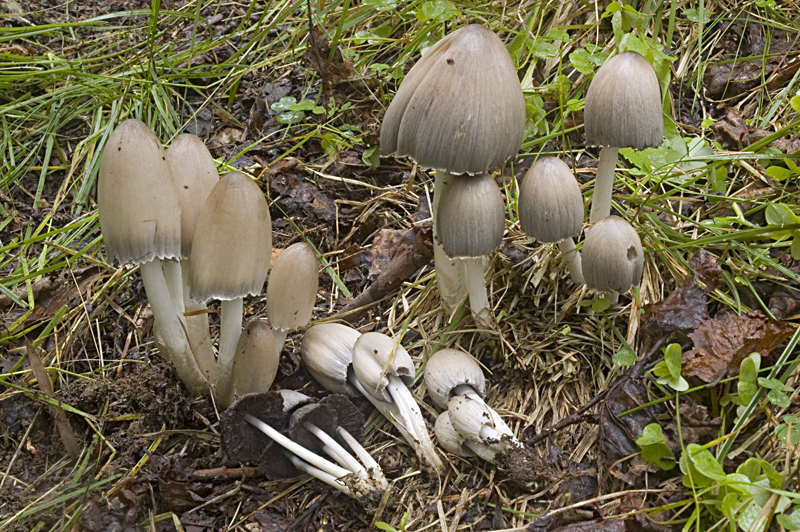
(782, 433)
(790, 521)
(624, 357)
(544, 50)
(519, 46)
(580, 59)
(381, 5)
(779, 214)
(751, 468)
(795, 103)
(779, 399)
(661, 370)
(746, 391)
(557, 35)
(371, 157)
(795, 249)
(284, 103)
(600, 304)
(437, 10)
(729, 505)
(774, 384)
(747, 516)
(651, 434)
(704, 462)
(672, 356)
(778, 173)
(775, 478)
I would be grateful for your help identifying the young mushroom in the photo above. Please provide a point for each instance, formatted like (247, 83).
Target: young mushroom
(612, 257)
(327, 353)
(623, 110)
(470, 226)
(255, 363)
(454, 443)
(140, 222)
(459, 110)
(476, 422)
(230, 259)
(551, 209)
(292, 289)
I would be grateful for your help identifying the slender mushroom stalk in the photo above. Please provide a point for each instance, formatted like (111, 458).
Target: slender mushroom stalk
(256, 361)
(471, 222)
(623, 109)
(140, 222)
(551, 209)
(385, 369)
(450, 274)
(613, 257)
(454, 443)
(460, 109)
(230, 259)
(477, 422)
(292, 289)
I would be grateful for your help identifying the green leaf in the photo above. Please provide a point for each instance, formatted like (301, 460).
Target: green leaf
(381, 5)
(748, 370)
(380, 525)
(624, 357)
(437, 10)
(544, 50)
(699, 467)
(307, 105)
(774, 384)
(580, 60)
(746, 391)
(694, 15)
(779, 214)
(600, 304)
(778, 173)
(654, 447)
(730, 503)
(284, 103)
(661, 370)
(795, 249)
(782, 433)
(672, 356)
(779, 399)
(651, 434)
(795, 103)
(790, 521)
(371, 157)
(557, 35)
(290, 117)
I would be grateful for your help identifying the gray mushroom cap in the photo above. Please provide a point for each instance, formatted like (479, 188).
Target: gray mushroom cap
(257, 357)
(448, 368)
(471, 217)
(327, 353)
(550, 202)
(468, 417)
(623, 104)
(460, 108)
(376, 355)
(450, 440)
(292, 287)
(612, 256)
(136, 200)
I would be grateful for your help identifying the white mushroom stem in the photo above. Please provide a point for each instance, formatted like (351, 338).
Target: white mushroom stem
(478, 296)
(171, 327)
(449, 272)
(280, 336)
(572, 258)
(346, 460)
(197, 326)
(481, 451)
(603, 184)
(230, 330)
(500, 426)
(362, 453)
(613, 297)
(317, 473)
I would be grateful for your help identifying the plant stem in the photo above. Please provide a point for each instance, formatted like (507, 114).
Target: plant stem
(449, 272)
(572, 259)
(478, 297)
(604, 184)
(280, 337)
(229, 332)
(171, 327)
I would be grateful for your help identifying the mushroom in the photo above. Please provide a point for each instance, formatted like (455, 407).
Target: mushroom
(230, 259)
(623, 109)
(327, 353)
(612, 257)
(292, 289)
(194, 174)
(384, 369)
(459, 110)
(551, 209)
(253, 424)
(476, 422)
(454, 443)
(140, 222)
(256, 360)
(470, 225)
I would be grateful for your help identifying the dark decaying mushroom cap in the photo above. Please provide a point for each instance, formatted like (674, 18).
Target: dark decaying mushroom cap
(550, 202)
(623, 104)
(612, 256)
(348, 416)
(331, 412)
(460, 108)
(471, 217)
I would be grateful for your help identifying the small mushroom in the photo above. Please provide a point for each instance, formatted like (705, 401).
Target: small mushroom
(230, 259)
(454, 443)
(471, 222)
(551, 209)
(477, 422)
(623, 109)
(612, 257)
(327, 353)
(256, 360)
(451, 372)
(384, 369)
(292, 289)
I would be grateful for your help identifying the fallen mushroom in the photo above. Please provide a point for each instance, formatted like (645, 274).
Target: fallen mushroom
(231, 247)
(476, 422)
(623, 109)
(454, 443)
(385, 369)
(612, 257)
(551, 209)
(256, 360)
(140, 222)
(292, 289)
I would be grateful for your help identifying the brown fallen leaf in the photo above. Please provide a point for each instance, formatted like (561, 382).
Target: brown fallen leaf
(299, 197)
(385, 246)
(721, 343)
(733, 132)
(317, 54)
(686, 306)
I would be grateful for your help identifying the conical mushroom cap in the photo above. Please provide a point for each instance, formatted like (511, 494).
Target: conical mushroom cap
(448, 368)
(371, 353)
(460, 108)
(195, 174)
(257, 359)
(550, 202)
(327, 353)
(623, 104)
(612, 256)
(471, 217)
(292, 287)
(232, 241)
(136, 200)
(449, 440)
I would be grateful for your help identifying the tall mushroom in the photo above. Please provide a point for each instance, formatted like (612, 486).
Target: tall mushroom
(230, 260)
(623, 110)
(459, 110)
(612, 257)
(292, 289)
(551, 209)
(140, 222)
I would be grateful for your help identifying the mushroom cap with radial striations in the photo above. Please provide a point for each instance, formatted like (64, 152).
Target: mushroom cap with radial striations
(371, 353)
(468, 416)
(448, 368)
(460, 108)
(550, 202)
(612, 256)
(292, 287)
(327, 353)
(195, 174)
(623, 104)
(136, 200)
(449, 440)
(471, 217)
(232, 241)
(257, 358)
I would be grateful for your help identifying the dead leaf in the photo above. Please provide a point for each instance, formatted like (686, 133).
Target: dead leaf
(317, 54)
(223, 137)
(734, 133)
(637, 523)
(721, 343)
(299, 198)
(387, 244)
(686, 306)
